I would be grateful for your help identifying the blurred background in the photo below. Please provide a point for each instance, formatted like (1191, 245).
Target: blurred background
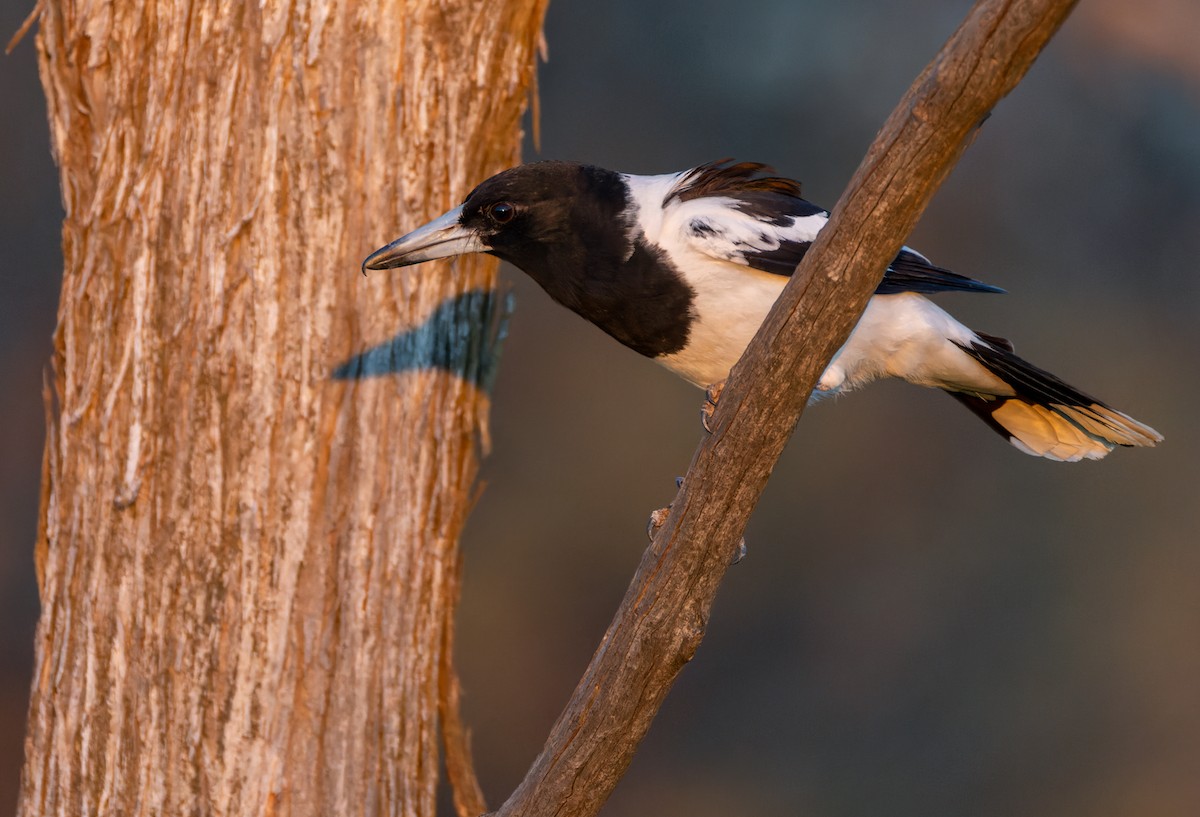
(928, 622)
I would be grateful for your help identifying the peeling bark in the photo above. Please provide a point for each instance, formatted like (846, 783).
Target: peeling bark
(258, 462)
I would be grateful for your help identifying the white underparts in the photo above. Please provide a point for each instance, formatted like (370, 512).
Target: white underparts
(904, 335)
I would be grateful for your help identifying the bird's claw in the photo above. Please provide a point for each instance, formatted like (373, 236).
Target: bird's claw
(741, 552)
(657, 518)
(711, 395)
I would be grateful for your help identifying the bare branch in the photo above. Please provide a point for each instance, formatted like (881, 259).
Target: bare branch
(662, 618)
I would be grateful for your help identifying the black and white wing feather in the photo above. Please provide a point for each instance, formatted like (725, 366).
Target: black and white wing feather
(732, 214)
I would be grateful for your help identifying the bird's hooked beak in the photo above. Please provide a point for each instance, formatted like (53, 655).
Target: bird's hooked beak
(440, 238)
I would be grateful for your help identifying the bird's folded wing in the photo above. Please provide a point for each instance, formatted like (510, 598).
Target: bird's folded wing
(775, 241)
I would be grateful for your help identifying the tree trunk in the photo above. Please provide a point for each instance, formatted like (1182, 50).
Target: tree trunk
(257, 461)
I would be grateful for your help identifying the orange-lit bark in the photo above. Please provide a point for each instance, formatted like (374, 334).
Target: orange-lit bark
(249, 524)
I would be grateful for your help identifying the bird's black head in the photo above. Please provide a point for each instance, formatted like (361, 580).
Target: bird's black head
(530, 216)
(542, 204)
(567, 226)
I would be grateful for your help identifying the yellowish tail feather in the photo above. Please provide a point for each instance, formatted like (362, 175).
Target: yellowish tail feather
(1046, 417)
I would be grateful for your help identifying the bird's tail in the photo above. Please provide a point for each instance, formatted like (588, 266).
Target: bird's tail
(1046, 417)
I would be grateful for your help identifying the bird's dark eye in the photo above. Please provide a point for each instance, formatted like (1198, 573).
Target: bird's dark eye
(501, 212)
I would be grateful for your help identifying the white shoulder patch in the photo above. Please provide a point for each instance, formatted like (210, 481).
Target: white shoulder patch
(647, 194)
(718, 228)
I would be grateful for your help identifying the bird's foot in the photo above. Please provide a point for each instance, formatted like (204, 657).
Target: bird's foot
(741, 552)
(711, 395)
(657, 518)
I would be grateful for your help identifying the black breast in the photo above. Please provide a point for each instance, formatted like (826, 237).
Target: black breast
(642, 302)
(578, 245)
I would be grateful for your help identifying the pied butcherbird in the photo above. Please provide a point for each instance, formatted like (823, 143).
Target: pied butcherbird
(683, 268)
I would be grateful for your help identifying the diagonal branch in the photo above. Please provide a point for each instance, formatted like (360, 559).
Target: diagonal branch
(662, 618)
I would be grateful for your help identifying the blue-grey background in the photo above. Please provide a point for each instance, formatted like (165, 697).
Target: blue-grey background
(928, 622)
